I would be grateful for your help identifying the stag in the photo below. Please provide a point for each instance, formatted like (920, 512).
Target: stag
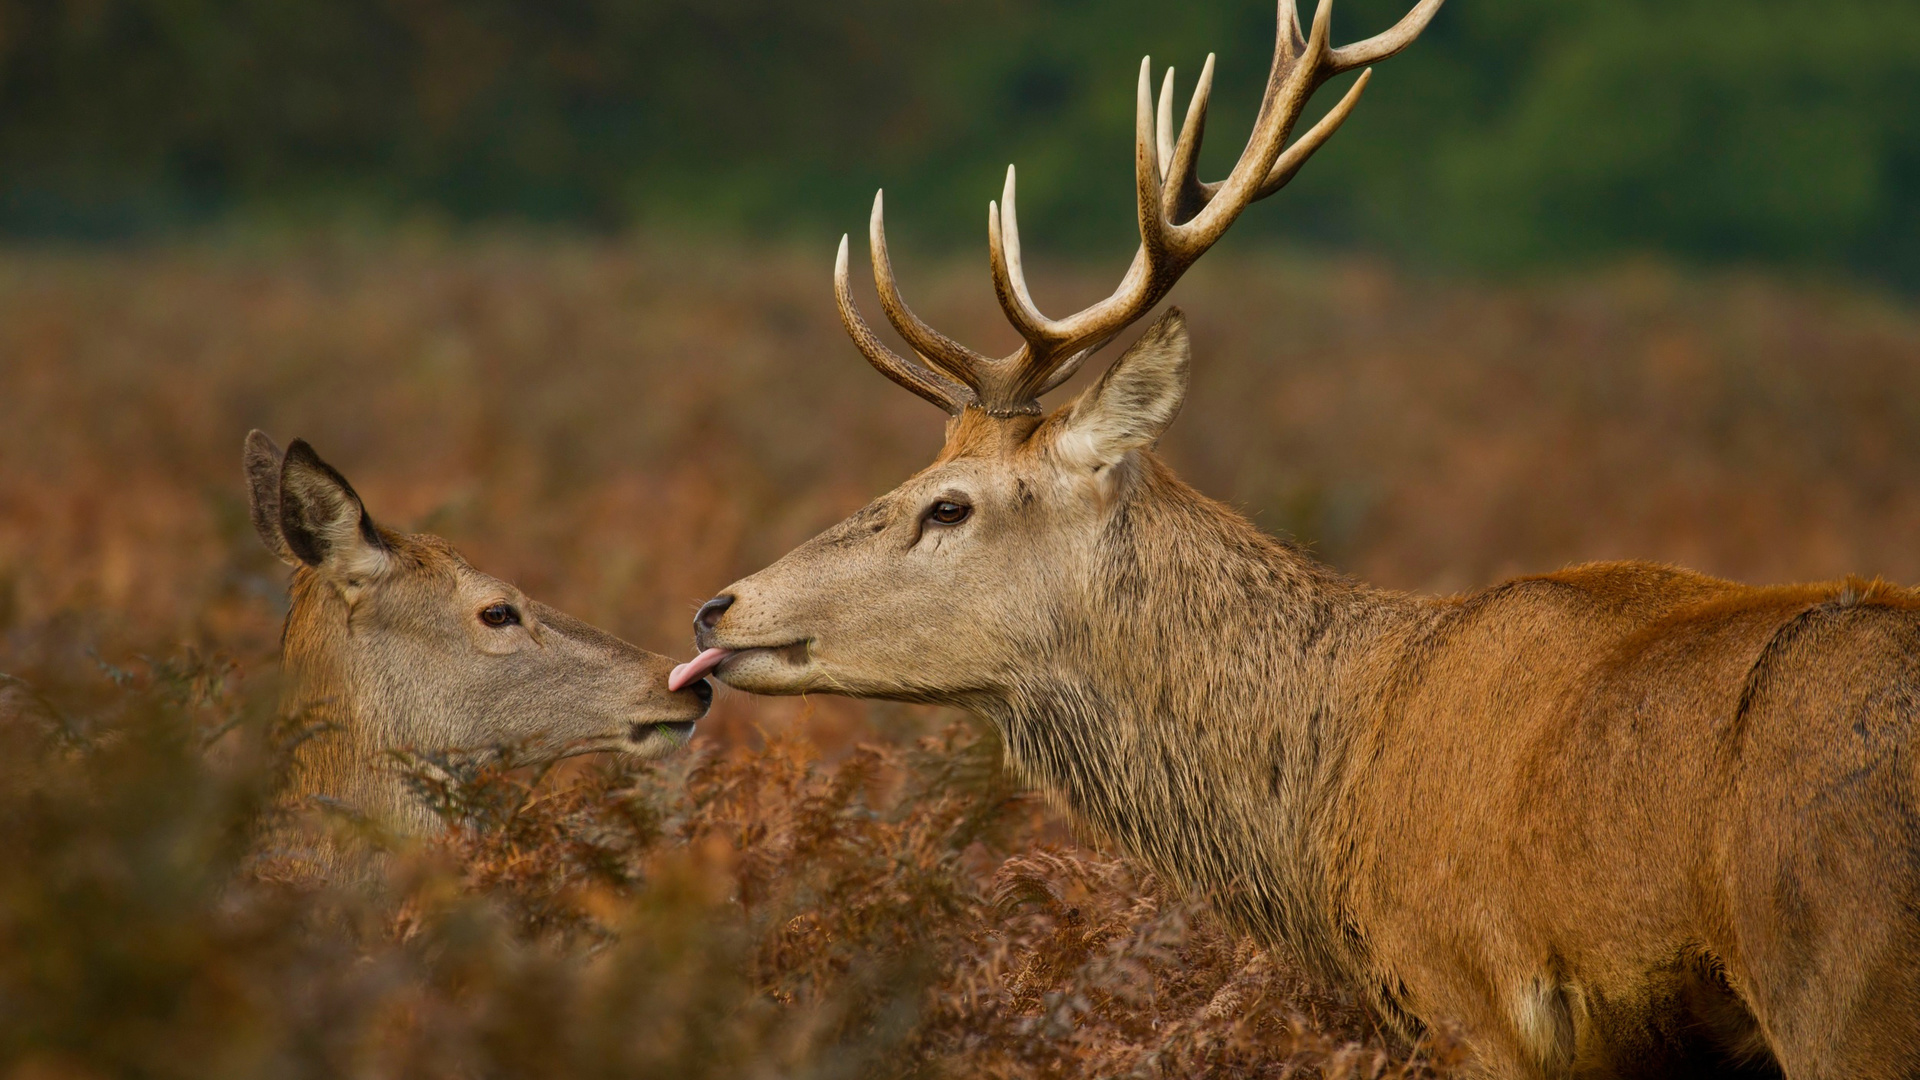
(1622, 819)
(394, 642)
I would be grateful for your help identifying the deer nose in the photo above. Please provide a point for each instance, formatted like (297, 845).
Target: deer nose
(710, 612)
(704, 691)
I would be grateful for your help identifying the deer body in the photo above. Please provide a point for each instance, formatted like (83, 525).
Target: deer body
(1579, 814)
(394, 642)
(1622, 820)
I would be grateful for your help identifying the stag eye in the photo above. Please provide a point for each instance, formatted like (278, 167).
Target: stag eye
(948, 512)
(500, 614)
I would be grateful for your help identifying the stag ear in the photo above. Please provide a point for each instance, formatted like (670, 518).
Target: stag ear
(323, 521)
(262, 459)
(1133, 402)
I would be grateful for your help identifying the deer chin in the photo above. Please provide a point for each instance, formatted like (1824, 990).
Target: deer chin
(770, 669)
(649, 739)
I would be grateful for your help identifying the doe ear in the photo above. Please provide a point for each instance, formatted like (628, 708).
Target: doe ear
(262, 457)
(322, 519)
(1134, 401)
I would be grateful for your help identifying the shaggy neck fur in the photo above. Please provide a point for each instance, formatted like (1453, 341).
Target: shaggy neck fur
(1216, 756)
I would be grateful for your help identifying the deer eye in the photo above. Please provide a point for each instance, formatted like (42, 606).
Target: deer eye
(500, 614)
(948, 512)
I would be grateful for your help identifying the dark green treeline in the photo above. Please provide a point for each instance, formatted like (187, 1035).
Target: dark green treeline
(1516, 131)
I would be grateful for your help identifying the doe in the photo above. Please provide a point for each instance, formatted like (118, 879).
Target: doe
(392, 641)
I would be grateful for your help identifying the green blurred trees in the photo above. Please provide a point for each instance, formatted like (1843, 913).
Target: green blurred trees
(1516, 131)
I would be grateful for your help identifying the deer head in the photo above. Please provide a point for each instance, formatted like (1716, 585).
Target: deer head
(961, 582)
(401, 643)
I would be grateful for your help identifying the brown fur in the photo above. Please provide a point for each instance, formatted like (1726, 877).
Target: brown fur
(1619, 820)
(385, 649)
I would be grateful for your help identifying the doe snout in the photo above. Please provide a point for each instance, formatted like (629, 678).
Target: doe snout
(702, 690)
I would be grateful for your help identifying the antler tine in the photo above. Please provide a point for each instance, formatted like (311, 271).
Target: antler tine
(940, 390)
(1287, 45)
(935, 347)
(1163, 126)
(1289, 162)
(1182, 192)
(1322, 30)
(1288, 88)
(1009, 274)
(1385, 44)
(1148, 177)
(1288, 38)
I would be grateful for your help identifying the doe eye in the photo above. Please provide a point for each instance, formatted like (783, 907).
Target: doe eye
(947, 512)
(500, 614)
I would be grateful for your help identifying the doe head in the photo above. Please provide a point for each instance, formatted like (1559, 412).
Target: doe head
(420, 649)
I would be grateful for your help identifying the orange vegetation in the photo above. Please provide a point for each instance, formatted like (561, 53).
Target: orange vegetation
(825, 886)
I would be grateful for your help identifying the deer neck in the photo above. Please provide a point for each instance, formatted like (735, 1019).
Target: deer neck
(1198, 707)
(348, 723)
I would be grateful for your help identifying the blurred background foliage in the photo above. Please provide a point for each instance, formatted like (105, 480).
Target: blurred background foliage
(650, 394)
(1518, 132)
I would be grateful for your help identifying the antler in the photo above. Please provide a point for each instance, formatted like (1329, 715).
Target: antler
(1180, 217)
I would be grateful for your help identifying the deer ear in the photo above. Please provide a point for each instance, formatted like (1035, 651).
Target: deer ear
(323, 521)
(1134, 401)
(262, 461)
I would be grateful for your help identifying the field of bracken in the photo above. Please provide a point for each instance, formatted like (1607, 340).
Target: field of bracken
(822, 887)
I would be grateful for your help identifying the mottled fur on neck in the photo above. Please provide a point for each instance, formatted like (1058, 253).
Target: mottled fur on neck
(1211, 758)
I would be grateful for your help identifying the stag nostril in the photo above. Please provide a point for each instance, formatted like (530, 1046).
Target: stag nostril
(704, 691)
(710, 613)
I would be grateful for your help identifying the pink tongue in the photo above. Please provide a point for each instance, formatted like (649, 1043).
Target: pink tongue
(687, 674)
